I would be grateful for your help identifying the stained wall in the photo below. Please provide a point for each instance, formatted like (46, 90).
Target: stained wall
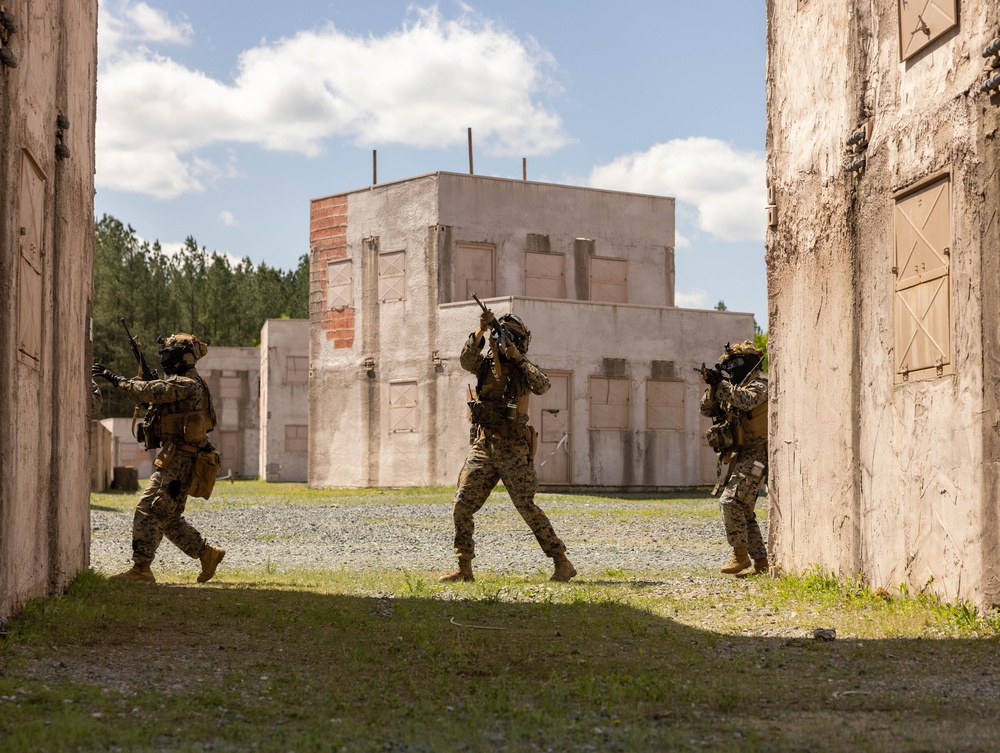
(46, 255)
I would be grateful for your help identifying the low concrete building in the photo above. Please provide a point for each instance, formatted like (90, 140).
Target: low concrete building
(126, 449)
(284, 400)
(884, 284)
(394, 267)
(101, 463)
(47, 115)
(233, 376)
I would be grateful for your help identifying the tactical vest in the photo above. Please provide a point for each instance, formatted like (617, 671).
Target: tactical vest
(188, 421)
(752, 426)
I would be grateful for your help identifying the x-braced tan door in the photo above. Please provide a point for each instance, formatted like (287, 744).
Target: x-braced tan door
(551, 416)
(922, 270)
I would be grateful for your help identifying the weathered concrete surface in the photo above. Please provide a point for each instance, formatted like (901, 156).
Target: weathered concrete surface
(284, 400)
(46, 257)
(363, 350)
(896, 481)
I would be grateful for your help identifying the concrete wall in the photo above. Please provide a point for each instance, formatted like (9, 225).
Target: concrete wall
(362, 354)
(871, 472)
(46, 257)
(284, 400)
(101, 464)
(233, 376)
(611, 224)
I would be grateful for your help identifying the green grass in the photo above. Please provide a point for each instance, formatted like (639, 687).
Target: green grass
(382, 660)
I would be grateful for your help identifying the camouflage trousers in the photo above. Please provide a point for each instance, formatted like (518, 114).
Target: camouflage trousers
(160, 512)
(739, 498)
(492, 459)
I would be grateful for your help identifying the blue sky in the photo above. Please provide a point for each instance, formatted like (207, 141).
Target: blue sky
(222, 119)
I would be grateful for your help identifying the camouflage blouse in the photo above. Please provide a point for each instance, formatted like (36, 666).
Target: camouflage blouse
(525, 376)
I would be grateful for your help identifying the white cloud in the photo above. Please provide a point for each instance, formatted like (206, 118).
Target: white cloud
(725, 186)
(419, 86)
(125, 24)
(691, 299)
(228, 218)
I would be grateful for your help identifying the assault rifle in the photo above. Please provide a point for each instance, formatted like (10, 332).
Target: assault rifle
(499, 334)
(712, 375)
(144, 370)
(147, 433)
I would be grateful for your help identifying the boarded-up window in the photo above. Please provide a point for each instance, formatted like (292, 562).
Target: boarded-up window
(391, 276)
(923, 21)
(296, 438)
(922, 270)
(402, 407)
(609, 403)
(608, 280)
(32, 231)
(296, 369)
(338, 284)
(474, 265)
(230, 387)
(544, 275)
(664, 405)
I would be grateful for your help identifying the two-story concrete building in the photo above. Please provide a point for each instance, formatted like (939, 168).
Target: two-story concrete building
(394, 268)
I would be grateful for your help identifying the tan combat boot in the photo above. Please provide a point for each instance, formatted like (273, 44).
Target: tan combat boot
(564, 568)
(138, 573)
(739, 562)
(464, 571)
(760, 567)
(210, 559)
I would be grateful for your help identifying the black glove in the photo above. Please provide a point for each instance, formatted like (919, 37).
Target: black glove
(100, 372)
(713, 377)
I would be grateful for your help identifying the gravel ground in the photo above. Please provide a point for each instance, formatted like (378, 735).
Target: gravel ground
(600, 537)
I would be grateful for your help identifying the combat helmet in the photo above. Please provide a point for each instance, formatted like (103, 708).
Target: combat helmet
(741, 359)
(180, 351)
(517, 331)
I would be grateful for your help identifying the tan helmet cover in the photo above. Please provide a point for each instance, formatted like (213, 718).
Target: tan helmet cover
(516, 326)
(745, 348)
(190, 343)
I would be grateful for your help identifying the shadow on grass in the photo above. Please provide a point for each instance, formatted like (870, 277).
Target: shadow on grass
(115, 665)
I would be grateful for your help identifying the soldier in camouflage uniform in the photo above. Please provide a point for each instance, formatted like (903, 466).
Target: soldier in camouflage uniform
(181, 417)
(503, 444)
(736, 400)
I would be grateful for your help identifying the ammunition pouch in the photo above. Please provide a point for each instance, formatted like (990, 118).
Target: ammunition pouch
(193, 426)
(206, 468)
(488, 414)
(720, 437)
(147, 433)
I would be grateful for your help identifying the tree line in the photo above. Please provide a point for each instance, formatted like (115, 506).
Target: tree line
(192, 290)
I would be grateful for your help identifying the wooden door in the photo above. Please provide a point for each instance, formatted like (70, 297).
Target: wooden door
(552, 417)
